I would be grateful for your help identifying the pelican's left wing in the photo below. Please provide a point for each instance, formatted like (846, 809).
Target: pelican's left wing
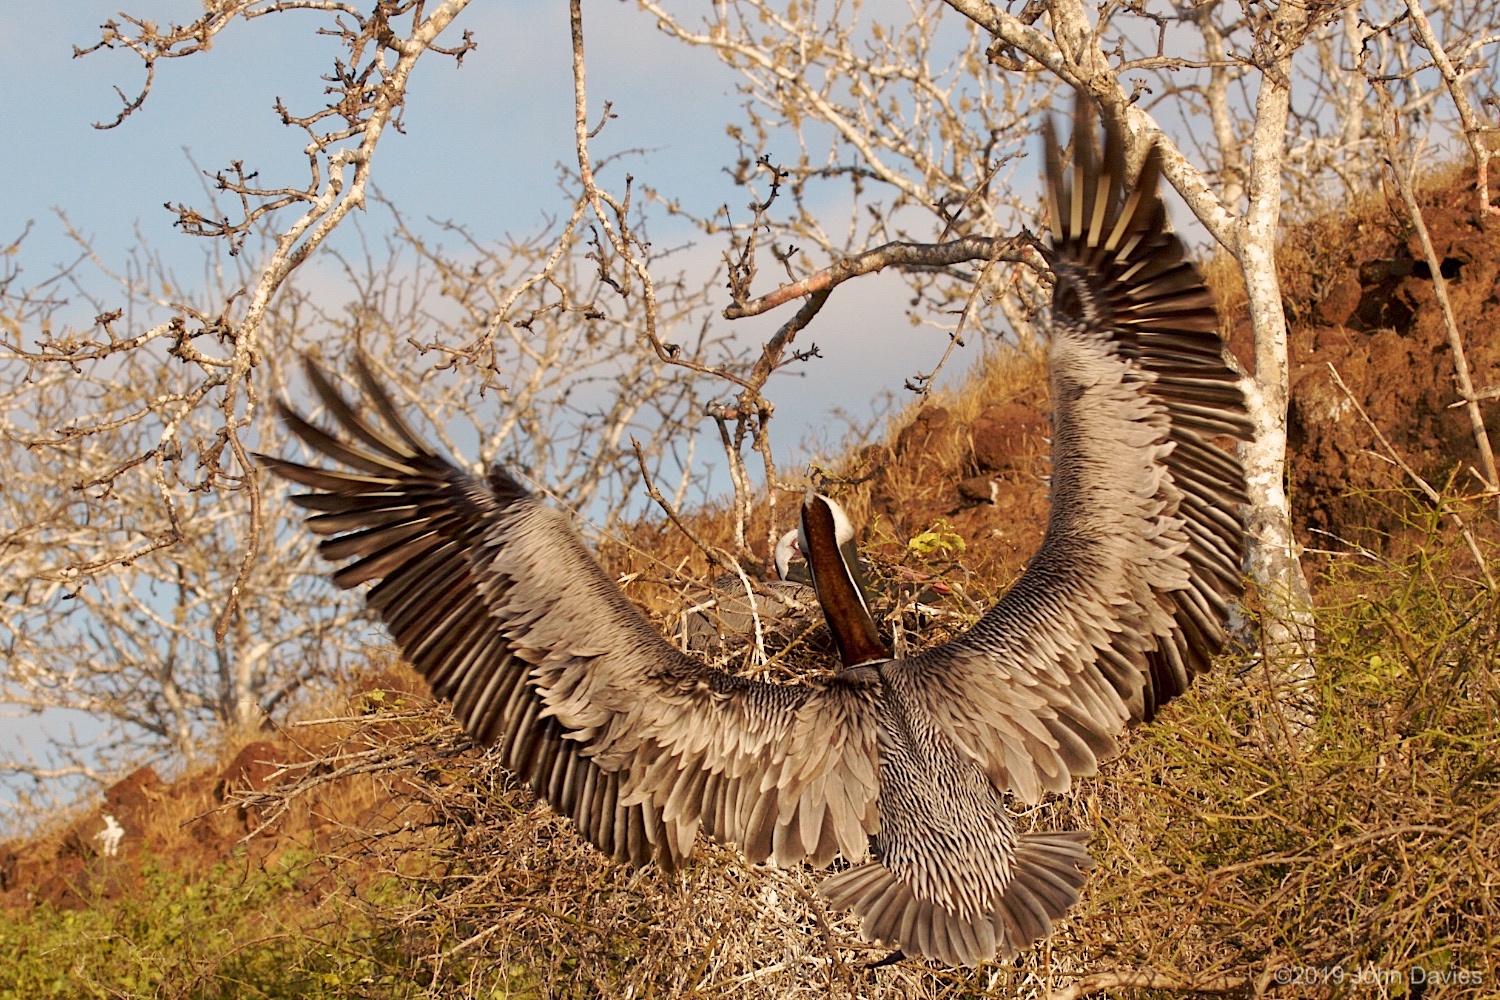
(493, 597)
(1127, 598)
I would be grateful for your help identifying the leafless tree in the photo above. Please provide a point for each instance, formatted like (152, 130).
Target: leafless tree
(1391, 67)
(144, 576)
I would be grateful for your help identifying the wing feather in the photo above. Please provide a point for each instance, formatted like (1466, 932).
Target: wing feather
(1125, 600)
(492, 596)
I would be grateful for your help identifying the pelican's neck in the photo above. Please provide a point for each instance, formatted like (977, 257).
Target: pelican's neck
(838, 590)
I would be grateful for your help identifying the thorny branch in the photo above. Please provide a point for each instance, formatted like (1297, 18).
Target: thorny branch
(1421, 484)
(161, 591)
(369, 96)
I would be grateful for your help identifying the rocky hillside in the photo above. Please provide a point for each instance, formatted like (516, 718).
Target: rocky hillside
(1360, 298)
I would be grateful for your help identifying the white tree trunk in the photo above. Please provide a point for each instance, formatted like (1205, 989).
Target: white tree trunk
(1287, 632)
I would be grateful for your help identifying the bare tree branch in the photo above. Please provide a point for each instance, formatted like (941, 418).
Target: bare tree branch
(1144, 979)
(1474, 132)
(1017, 249)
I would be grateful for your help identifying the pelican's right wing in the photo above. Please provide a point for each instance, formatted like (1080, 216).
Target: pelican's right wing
(1127, 598)
(493, 597)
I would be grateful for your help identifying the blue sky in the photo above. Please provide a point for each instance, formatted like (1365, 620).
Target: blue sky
(481, 146)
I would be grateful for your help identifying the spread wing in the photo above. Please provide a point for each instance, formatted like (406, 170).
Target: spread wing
(493, 597)
(1126, 599)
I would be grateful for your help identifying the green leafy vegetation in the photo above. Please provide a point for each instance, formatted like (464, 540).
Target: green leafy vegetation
(240, 930)
(940, 538)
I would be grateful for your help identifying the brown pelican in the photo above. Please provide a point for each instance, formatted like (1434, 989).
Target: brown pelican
(492, 596)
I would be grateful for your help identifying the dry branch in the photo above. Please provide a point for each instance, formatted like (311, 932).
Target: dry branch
(1474, 132)
(1418, 481)
(147, 581)
(1017, 249)
(1402, 172)
(1144, 979)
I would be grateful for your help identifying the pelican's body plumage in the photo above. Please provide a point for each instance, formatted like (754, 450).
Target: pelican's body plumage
(491, 595)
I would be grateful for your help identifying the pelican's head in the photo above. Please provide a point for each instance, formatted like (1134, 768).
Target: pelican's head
(790, 554)
(789, 559)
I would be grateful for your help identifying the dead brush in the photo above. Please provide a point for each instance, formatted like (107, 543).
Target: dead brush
(1228, 860)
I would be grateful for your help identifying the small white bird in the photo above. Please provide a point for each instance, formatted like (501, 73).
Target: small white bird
(109, 838)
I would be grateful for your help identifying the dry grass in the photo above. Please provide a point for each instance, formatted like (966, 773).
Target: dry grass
(1225, 857)
(896, 491)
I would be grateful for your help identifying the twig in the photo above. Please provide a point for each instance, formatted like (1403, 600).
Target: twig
(605, 205)
(738, 476)
(612, 216)
(752, 400)
(760, 632)
(251, 484)
(1340, 846)
(923, 383)
(1471, 128)
(1357, 548)
(1422, 484)
(37, 773)
(1440, 291)
(671, 512)
(733, 564)
(1145, 979)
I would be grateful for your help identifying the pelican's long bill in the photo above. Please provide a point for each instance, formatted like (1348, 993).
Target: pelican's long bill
(840, 591)
(730, 614)
(490, 594)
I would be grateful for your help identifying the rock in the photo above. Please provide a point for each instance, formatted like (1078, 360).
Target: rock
(925, 430)
(1006, 435)
(250, 770)
(132, 798)
(10, 863)
(1340, 302)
